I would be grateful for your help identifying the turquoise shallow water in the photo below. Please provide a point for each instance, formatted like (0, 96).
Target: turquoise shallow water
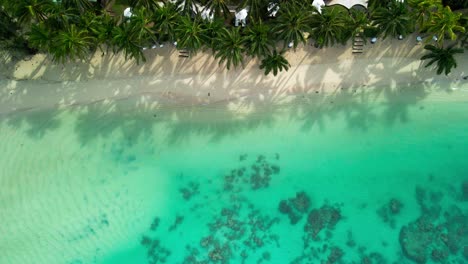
(354, 177)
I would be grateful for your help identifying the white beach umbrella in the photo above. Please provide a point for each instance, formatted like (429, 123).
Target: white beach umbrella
(207, 14)
(318, 4)
(273, 9)
(241, 16)
(127, 12)
(349, 3)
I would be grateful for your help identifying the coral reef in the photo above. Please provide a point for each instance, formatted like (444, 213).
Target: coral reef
(257, 175)
(326, 217)
(389, 210)
(190, 190)
(438, 236)
(295, 207)
(464, 190)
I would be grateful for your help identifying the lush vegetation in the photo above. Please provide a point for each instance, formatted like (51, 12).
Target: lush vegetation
(72, 30)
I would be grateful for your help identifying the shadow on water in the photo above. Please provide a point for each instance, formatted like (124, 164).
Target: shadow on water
(215, 122)
(138, 115)
(101, 120)
(36, 124)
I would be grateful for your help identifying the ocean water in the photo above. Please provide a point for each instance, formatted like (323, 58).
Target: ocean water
(375, 176)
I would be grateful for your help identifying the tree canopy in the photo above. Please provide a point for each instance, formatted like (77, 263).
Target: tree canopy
(71, 30)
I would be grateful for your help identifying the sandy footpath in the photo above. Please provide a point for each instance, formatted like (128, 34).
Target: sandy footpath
(37, 82)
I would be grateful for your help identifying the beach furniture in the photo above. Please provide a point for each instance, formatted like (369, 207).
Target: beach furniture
(358, 43)
(206, 14)
(272, 9)
(318, 5)
(127, 12)
(241, 17)
(418, 40)
(184, 53)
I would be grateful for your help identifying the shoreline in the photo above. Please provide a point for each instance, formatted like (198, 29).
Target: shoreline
(198, 80)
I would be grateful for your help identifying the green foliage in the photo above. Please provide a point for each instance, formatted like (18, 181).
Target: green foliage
(166, 19)
(257, 8)
(374, 4)
(443, 57)
(230, 47)
(8, 27)
(150, 5)
(422, 10)
(191, 34)
(257, 39)
(187, 7)
(275, 62)
(291, 24)
(61, 17)
(124, 39)
(81, 5)
(40, 37)
(211, 30)
(99, 27)
(140, 24)
(393, 19)
(456, 4)
(71, 44)
(443, 23)
(359, 19)
(330, 27)
(218, 7)
(31, 10)
(70, 29)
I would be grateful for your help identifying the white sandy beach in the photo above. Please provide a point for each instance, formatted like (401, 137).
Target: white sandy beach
(37, 82)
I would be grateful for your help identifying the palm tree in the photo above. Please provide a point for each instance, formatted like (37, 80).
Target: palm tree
(191, 34)
(81, 5)
(217, 7)
(142, 27)
(40, 37)
(456, 4)
(443, 23)
(150, 5)
(61, 17)
(257, 8)
(187, 7)
(374, 4)
(330, 27)
(166, 19)
(71, 44)
(291, 24)
(211, 30)
(444, 57)
(28, 10)
(100, 27)
(257, 39)
(358, 22)
(275, 62)
(104, 4)
(393, 20)
(124, 39)
(422, 10)
(8, 27)
(230, 47)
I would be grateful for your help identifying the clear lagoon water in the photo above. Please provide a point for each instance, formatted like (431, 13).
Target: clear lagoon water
(354, 177)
